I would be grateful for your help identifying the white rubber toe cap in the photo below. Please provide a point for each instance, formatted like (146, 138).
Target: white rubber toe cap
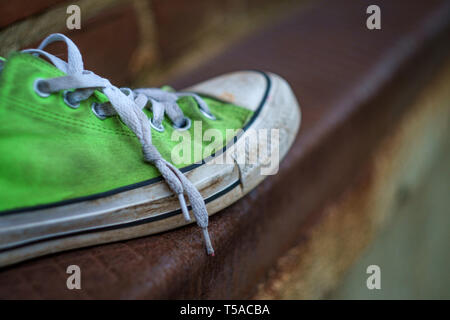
(242, 88)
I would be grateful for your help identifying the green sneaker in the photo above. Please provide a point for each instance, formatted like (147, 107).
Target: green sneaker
(83, 162)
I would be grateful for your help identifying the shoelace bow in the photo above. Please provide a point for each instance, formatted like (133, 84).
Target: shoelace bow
(128, 106)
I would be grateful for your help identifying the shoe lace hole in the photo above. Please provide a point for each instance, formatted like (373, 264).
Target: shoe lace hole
(38, 91)
(207, 114)
(94, 109)
(67, 101)
(185, 126)
(159, 129)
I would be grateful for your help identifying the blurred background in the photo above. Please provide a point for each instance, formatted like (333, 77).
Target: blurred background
(128, 40)
(369, 175)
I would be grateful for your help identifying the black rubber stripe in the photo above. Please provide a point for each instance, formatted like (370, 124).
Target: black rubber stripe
(146, 182)
(123, 225)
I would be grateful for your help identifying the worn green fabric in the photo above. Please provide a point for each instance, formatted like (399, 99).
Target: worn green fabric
(50, 152)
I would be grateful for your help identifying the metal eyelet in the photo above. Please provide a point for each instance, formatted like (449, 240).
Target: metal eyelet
(94, 106)
(186, 126)
(207, 114)
(37, 90)
(159, 129)
(66, 101)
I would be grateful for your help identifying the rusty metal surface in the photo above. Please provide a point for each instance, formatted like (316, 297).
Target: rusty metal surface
(21, 9)
(353, 85)
(101, 53)
(388, 194)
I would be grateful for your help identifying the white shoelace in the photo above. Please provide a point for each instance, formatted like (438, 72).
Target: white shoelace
(128, 105)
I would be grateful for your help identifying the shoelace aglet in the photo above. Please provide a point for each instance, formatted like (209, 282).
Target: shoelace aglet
(209, 248)
(184, 208)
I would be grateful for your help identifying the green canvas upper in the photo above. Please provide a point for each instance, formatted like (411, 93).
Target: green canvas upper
(50, 152)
